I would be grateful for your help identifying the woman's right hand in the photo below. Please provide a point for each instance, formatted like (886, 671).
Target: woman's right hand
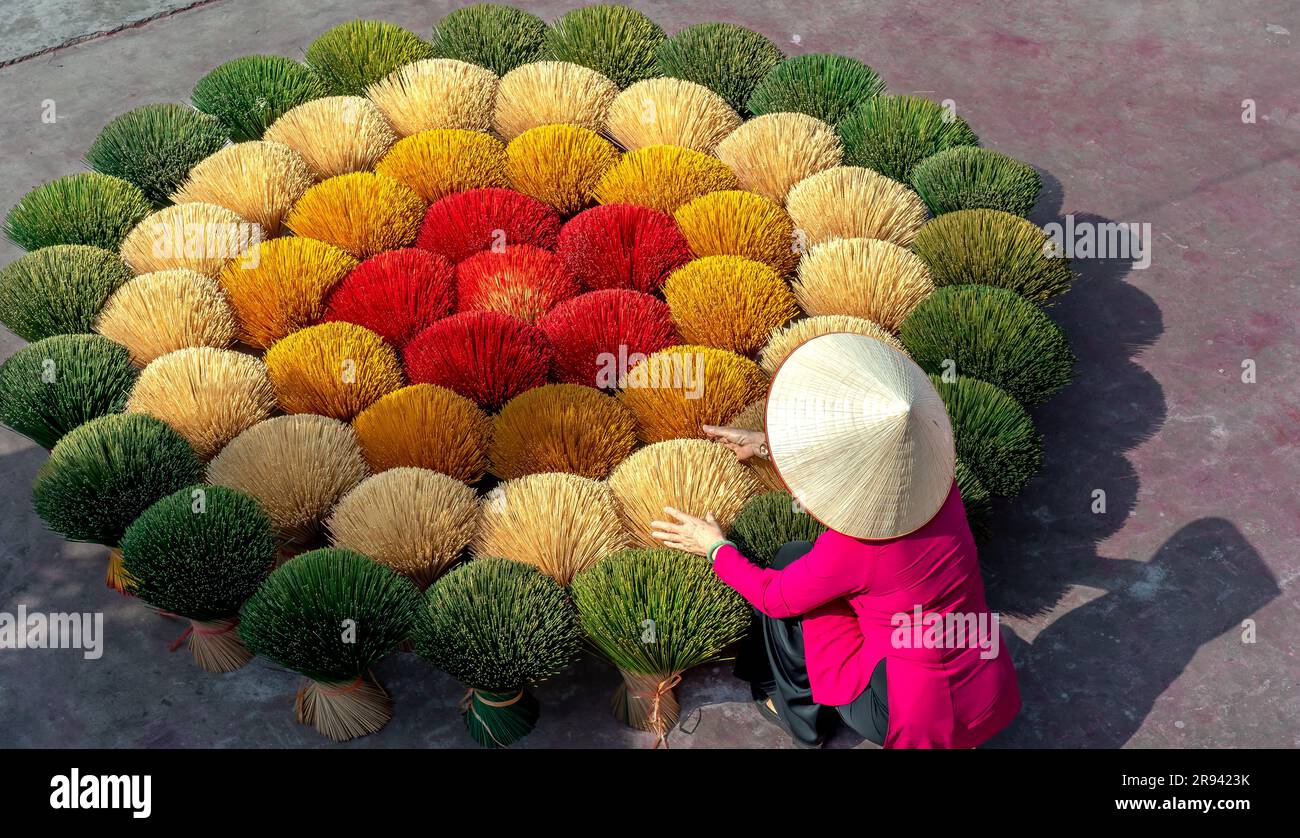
(744, 444)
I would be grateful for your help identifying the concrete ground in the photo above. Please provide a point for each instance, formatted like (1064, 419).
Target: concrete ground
(1132, 626)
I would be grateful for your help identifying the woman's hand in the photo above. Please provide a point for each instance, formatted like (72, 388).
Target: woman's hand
(744, 444)
(689, 534)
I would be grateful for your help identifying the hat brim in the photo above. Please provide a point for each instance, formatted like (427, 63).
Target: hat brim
(860, 437)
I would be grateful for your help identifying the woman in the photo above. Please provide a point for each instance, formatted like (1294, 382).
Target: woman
(882, 622)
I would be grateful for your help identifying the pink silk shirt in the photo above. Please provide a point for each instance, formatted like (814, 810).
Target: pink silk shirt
(916, 601)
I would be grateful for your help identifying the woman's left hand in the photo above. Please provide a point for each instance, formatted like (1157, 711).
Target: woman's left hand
(689, 534)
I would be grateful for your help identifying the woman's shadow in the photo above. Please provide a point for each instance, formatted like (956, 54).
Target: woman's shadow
(1093, 675)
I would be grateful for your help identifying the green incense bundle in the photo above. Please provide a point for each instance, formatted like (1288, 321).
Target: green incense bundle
(56, 384)
(620, 43)
(498, 626)
(102, 475)
(330, 615)
(490, 35)
(994, 435)
(770, 521)
(654, 614)
(968, 177)
(59, 290)
(824, 86)
(200, 553)
(975, 498)
(892, 134)
(989, 247)
(250, 93)
(155, 146)
(992, 334)
(354, 55)
(86, 208)
(728, 59)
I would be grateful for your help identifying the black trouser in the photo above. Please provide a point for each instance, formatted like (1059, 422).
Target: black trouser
(773, 662)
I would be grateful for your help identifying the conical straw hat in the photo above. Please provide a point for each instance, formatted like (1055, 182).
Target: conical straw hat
(860, 436)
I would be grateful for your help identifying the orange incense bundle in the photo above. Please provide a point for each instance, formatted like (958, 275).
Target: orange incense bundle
(334, 369)
(676, 390)
(561, 427)
(425, 427)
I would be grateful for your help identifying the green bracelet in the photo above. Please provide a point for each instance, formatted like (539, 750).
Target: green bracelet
(715, 547)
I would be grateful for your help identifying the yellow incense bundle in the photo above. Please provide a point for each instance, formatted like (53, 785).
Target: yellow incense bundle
(559, 165)
(736, 223)
(868, 278)
(161, 312)
(336, 369)
(413, 520)
(445, 160)
(258, 181)
(283, 287)
(551, 93)
(210, 396)
(663, 177)
(694, 476)
(199, 237)
(676, 390)
(728, 302)
(362, 213)
(561, 427)
(427, 427)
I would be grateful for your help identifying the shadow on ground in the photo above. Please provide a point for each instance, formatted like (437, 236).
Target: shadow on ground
(1093, 675)
(1043, 537)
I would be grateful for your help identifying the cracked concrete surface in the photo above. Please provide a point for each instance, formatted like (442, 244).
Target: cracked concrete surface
(41, 27)
(1128, 622)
